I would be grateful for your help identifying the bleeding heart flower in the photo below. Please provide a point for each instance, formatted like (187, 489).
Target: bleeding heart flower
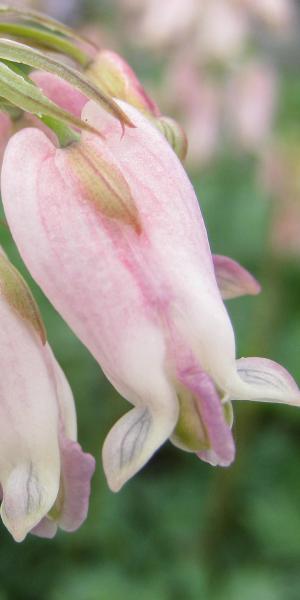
(44, 475)
(110, 228)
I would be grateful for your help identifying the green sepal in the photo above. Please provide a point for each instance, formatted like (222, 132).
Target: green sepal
(11, 110)
(17, 90)
(46, 39)
(18, 295)
(174, 134)
(38, 18)
(20, 53)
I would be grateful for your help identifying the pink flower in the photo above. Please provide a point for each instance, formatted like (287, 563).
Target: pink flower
(199, 102)
(222, 31)
(276, 13)
(280, 176)
(252, 114)
(160, 23)
(113, 74)
(111, 230)
(44, 475)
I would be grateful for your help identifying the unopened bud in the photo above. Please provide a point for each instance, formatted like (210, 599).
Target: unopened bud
(116, 78)
(174, 134)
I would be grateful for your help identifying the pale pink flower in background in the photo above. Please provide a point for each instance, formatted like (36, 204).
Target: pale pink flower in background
(238, 98)
(251, 103)
(198, 101)
(111, 230)
(222, 31)
(280, 177)
(163, 23)
(276, 13)
(44, 475)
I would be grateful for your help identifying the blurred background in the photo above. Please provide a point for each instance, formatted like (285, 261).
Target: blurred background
(228, 70)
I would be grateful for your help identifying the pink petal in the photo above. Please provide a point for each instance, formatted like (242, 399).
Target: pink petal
(267, 381)
(46, 528)
(233, 280)
(60, 91)
(77, 471)
(222, 449)
(115, 76)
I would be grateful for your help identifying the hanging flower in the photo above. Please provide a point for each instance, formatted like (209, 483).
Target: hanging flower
(44, 475)
(111, 230)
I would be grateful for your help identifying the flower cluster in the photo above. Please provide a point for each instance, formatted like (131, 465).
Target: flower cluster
(106, 220)
(209, 62)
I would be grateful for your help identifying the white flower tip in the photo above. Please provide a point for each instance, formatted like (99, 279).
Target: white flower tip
(26, 500)
(233, 280)
(132, 442)
(125, 449)
(264, 380)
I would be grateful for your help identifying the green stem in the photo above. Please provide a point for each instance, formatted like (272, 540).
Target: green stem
(65, 135)
(47, 39)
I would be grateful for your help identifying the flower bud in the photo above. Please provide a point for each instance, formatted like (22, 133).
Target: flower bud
(115, 77)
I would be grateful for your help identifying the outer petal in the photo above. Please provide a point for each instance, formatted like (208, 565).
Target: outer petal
(168, 266)
(64, 395)
(267, 381)
(233, 280)
(138, 434)
(134, 439)
(29, 460)
(71, 507)
(179, 252)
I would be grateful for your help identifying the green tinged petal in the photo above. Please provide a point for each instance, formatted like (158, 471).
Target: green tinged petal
(16, 292)
(190, 433)
(103, 185)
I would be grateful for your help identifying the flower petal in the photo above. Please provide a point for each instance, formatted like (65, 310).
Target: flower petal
(46, 528)
(28, 494)
(221, 445)
(65, 399)
(77, 470)
(60, 91)
(133, 440)
(29, 458)
(233, 280)
(71, 506)
(267, 381)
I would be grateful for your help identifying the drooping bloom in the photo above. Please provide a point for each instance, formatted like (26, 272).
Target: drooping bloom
(44, 475)
(110, 228)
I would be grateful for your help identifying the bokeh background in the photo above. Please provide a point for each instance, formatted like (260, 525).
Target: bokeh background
(228, 70)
